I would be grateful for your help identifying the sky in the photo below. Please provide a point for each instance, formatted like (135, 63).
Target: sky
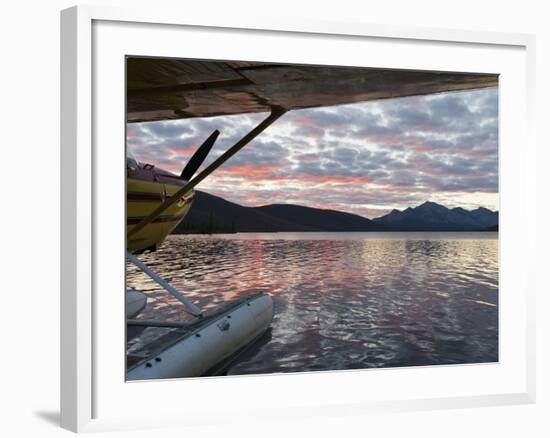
(366, 158)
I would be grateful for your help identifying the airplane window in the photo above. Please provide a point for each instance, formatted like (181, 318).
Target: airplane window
(131, 162)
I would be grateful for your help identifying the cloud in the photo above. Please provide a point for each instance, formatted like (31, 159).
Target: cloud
(366, 158)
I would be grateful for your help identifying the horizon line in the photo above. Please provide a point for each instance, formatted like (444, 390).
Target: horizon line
(347, 212)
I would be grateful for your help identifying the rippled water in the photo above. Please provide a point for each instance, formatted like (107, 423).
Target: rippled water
(343, 300)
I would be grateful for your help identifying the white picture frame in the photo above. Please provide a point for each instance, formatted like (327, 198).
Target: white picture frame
(93, 396)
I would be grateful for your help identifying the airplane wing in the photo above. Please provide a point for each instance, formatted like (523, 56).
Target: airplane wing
(168, 89)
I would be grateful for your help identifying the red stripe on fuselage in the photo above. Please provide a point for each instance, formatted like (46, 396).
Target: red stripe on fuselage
(169, 218)
(144, 197)
(136, 220)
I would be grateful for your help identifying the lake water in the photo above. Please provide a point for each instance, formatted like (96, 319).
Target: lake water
(342, 300)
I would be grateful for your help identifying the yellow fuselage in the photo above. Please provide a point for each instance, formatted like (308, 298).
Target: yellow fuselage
(143, 195)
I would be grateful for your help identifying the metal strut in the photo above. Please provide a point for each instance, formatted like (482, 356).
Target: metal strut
(196, 311)
(276, 112)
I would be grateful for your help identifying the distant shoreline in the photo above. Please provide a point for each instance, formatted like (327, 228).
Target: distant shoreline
(214, 215)
(318, 231)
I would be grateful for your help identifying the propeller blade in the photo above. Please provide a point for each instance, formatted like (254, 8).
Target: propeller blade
(199, 156)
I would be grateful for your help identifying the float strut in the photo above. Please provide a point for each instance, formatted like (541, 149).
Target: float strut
(196, 311)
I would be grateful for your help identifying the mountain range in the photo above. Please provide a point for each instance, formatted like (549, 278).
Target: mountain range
(431, 216)
(213, 214)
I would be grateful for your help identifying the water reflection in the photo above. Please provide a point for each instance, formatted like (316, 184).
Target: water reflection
(343, 300)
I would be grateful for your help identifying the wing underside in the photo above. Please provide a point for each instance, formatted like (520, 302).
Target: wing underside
(168, 89)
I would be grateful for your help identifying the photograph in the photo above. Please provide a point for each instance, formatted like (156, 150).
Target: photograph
(289, 218)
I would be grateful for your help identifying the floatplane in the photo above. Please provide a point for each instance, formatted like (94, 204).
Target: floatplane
(158, 200)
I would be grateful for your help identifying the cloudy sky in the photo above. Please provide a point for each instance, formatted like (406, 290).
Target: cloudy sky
(366, 158)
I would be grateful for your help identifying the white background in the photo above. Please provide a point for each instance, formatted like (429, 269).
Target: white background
(260, 394)
(29, 109)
